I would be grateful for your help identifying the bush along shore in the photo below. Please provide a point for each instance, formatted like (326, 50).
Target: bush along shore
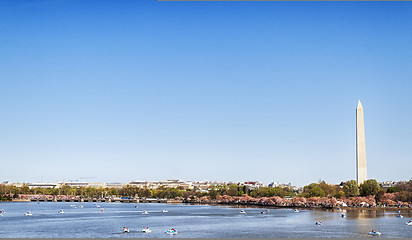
(315, 195)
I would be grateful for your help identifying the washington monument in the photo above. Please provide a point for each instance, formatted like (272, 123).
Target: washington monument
(360, 146)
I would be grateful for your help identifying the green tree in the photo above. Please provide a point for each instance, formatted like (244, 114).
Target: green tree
(129, 191)
(233, 190)
(213, 193)
(405, 192)
(25, 189)
(392, 190)
(317, 191)
(112, 191)
(81, 191)
(274, 191)
(339, 194)
(369, 187)
(404, 196)
(329, 189)
(67, 190)
(379, 195)
(259, 192)
(313, 190)
(351, 188)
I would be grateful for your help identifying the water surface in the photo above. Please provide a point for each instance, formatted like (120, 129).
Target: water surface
(192, 221)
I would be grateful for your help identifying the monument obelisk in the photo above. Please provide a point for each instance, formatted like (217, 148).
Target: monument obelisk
(360, 146)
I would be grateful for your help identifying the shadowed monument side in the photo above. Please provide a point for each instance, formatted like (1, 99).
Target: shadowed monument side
(361, 175)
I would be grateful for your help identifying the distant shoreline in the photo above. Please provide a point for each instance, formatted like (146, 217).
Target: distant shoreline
(302, 207)
(252, 205)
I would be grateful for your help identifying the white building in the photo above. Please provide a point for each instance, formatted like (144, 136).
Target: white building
(43, 185)
(253, 185)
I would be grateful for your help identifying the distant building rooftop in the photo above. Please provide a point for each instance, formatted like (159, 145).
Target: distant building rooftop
(42, 185)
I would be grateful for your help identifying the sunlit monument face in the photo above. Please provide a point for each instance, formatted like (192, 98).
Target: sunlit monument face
(360, 146)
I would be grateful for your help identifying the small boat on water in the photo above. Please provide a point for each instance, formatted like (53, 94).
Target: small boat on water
(73, 206)
(397, 211)
(399, 216)
(81, 206)
(295, 210)
(171, 231)
(28, 213)
(61, 211)
(242, 211)
(125, 229)
(374, 233)
(338, 209)
(2, 212)
(97, 205)
(146, 230)
(318, 223)
(263, 212)
(165, 210)
(343, 215)
(101, 210)
(145, 212)
(409, 223)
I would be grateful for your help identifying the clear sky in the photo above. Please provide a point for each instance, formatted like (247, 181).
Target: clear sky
(114, 91)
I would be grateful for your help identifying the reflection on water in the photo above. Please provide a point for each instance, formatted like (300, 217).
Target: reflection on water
(370, 213)
(195, 221)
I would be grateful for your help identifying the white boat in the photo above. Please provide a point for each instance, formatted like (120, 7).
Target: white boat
(319, 223)
(343, 215)
(295, 210)
(145, 212)
(125, 229)
(374, 233)
(171, 232)
(61, 211)
(97, 205)
(399, 216)
(409, 223)
(165, 210)
(73, 206)
(28, 214)
(146, 230)
(242, 211)
(81, 206)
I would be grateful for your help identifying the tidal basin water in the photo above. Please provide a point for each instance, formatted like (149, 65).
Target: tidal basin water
(192, 221)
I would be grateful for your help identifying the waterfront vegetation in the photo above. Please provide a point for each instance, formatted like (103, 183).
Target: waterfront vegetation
(315, 194)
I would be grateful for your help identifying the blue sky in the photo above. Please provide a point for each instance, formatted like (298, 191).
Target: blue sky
(230, 91)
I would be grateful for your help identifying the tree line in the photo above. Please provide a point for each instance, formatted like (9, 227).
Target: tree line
(8, 192)
(352, 189)
(321, 189)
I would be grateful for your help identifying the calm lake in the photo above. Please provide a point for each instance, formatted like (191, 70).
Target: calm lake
(192, 221)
